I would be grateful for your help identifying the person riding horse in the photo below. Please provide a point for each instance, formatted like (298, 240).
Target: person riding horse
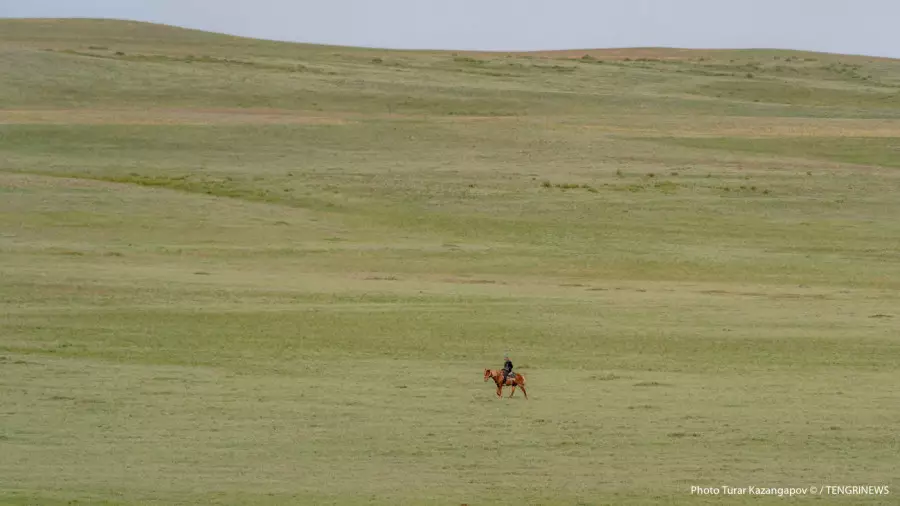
(501, 376)
(507, 368)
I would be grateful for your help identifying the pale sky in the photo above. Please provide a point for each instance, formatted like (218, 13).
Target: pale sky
(870, 27)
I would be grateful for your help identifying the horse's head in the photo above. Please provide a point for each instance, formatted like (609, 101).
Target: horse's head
(487, 374)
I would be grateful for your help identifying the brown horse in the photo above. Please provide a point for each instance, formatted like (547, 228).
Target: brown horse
(514, 380)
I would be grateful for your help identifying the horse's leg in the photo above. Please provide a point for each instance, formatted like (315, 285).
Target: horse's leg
(524, 392)
(499, 391)
(513, 390)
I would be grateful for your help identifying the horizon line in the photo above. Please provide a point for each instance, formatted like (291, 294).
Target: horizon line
(450, 50)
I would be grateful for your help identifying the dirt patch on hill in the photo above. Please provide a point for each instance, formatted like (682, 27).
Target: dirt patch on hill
(630, 53)
(651, 53)
(749, 127)
(168, 117)
(665, 53)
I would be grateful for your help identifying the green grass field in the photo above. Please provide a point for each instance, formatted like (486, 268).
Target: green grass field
(244, 272)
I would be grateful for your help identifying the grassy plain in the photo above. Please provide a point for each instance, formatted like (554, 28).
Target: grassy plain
(246, 272)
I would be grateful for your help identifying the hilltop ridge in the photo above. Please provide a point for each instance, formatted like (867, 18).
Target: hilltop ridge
(59, 30)
(81, 63)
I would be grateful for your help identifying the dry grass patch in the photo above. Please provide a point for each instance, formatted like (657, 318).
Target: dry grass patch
(169, 117)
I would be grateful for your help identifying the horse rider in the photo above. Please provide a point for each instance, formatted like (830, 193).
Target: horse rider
(507, 368)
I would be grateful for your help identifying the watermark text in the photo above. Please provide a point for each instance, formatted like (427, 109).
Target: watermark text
(855, 490)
